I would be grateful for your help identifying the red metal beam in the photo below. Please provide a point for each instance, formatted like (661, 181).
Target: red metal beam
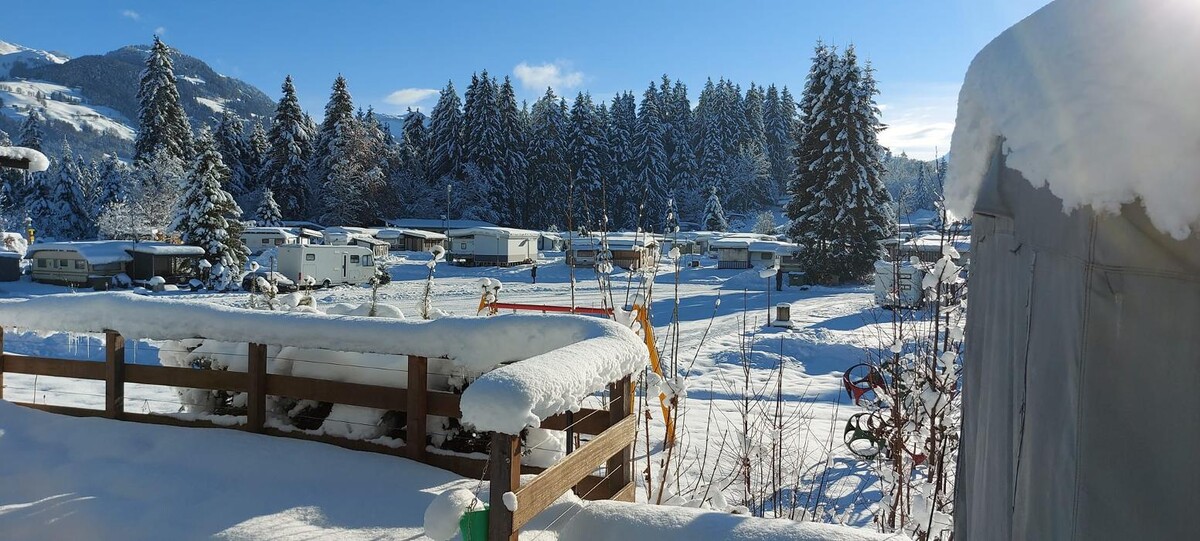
(548, 308)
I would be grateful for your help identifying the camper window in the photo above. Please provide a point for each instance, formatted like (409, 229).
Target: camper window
(266, 241)
(310, 257)
(366, 261)
(42, 263)
(80, 264)
(63, 263)
(766, 255)
(354, 259)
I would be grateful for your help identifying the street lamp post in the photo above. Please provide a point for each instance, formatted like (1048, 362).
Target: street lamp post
(447, 219)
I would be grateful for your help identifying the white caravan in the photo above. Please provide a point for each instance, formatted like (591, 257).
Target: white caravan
(904, 292)
(326, 265)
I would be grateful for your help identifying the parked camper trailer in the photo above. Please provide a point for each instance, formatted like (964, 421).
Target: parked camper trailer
(260, 239)
(326, 265)
(498, 246)
(898, 292)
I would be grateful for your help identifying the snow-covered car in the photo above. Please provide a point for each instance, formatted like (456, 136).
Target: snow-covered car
(281, 282)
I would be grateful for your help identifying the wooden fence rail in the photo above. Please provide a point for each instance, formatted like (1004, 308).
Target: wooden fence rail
(611, 446)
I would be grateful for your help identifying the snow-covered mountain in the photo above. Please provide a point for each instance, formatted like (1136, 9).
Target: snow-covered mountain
(12, 54)
(91, 101)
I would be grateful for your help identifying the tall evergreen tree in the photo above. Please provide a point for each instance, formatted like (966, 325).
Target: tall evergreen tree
(257, 149)
(587, 174)
(268, 214)
(754, 136)
(113, 177)
(31, 131)
(57, 205)
(549, 164)
(206, 215)
(514, 164)
(652, 163)
(779, 121)
(286, 167)
(848, 211)
(231, 143)
(327, 149)
(414, 145)
(482, 149)
(812, 166)
(162, 122)
(445, 127)
(622, 190)
(714, 214)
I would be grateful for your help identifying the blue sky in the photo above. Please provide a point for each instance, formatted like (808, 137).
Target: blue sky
(395, 54)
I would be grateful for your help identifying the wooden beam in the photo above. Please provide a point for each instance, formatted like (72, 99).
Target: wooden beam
(544, 489)
(338, 392)
(505, 476)
(418, 407)
(587, 421)
(192, 378)
(256, 378)
(620, 407)
(114, 374)
(625, 494)
(48, 366)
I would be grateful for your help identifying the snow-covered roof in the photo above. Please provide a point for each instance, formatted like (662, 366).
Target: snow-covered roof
(30, 159)
(630, 242)
(1095, 99)
(932, 242)
(13, 243)
(154, 248)
(102, 252)
(367, 240)
(506, 399)
(502, 232)
(303, 223)
(772, 246)
(732, 242)
(395, 233)
(432, 223)
(346, 229)
(281, 231)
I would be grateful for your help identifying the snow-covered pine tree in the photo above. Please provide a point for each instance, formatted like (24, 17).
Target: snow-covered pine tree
(58, 208)
(684, 184)
(748, 177)
(812, 167)
(31, 131)
(779, 119)
(235, 150)
(380, 160)
(285, 170)
(11, 188)
(587, 146)
(652, 164)
(549, 166)
(257, 149)
(268, 214)
(344, 193)
(445, 135)
(206, 215)
(162, 122)
(622, 190)
(754, 134)
(513, 189)
(113, 177)
(849, 212)
(714, 214)
(328, 150)
(414, 145)
(482, 146)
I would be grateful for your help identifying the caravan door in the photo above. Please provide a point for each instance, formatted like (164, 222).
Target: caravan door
(345, 264)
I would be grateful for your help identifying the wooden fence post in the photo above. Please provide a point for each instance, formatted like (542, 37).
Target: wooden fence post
(256, 400)
(114, 375)
(418, 407)
(620, 406)
(505, 473)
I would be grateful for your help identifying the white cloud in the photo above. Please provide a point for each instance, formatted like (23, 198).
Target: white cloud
(161, 30)
(920, 119)
(131, 14)
(410, 97)
(557, 75)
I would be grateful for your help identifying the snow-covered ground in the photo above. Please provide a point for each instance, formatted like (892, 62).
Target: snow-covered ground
(723, 348)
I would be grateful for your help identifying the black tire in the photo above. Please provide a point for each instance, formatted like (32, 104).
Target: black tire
(326, 284)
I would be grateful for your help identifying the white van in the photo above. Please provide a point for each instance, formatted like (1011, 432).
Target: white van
(326, 265)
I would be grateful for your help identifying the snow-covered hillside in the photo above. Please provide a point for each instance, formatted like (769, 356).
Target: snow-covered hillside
(12, 54)
(62, 104)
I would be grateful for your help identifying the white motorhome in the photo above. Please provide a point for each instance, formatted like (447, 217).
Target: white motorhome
(326, 265)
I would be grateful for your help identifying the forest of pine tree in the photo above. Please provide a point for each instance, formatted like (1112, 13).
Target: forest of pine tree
(655, 162)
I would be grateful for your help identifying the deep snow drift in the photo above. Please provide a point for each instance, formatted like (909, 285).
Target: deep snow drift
(1094, 98)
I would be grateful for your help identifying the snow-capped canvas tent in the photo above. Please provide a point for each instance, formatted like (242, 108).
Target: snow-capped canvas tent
(1082, 349)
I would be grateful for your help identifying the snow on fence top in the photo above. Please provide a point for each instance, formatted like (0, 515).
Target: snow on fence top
(563, 358)
(1095, 98)
(37, 161)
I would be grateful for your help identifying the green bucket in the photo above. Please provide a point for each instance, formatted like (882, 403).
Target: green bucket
(474, 525)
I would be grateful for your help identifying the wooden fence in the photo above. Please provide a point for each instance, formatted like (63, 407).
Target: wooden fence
(613, 429)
